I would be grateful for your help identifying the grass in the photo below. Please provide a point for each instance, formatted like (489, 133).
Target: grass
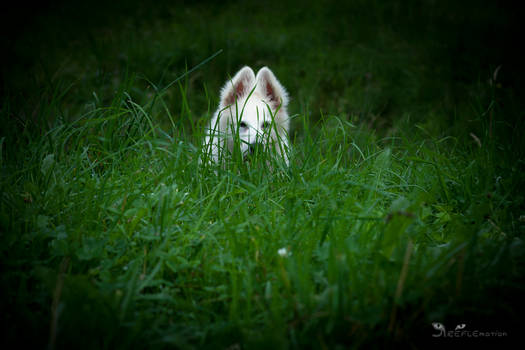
(402, 204)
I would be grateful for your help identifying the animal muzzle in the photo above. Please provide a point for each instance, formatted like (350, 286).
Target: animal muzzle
(255, 148)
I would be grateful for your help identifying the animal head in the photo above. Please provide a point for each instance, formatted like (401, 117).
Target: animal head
(252, 111)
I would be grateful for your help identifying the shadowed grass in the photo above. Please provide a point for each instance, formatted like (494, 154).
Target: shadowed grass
(382, 236)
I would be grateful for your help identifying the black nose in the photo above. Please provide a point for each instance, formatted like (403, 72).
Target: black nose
(255, 148)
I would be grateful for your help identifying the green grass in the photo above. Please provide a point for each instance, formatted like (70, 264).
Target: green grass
(403, 203)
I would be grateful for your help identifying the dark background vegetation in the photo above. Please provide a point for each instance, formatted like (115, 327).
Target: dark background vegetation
(377, 64)
(416, 54)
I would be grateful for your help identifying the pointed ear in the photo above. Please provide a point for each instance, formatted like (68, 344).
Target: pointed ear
(238, 87)
(273, 92)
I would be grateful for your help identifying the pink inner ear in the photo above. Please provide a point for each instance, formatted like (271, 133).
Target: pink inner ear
(238, 92)
(270, 93)
(239, 89)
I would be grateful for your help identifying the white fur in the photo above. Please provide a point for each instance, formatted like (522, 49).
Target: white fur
(254, 109)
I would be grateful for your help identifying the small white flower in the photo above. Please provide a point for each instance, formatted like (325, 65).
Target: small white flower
(283, 252)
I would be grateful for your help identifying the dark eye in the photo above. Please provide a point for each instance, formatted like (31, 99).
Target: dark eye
(243, 125)
(265, 125)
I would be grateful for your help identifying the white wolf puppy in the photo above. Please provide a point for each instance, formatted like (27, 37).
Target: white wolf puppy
(251, 115)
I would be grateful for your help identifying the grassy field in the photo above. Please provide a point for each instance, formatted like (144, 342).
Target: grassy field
(403, 203)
